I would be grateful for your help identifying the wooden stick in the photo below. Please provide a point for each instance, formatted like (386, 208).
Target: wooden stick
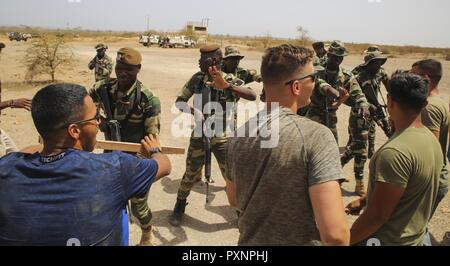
(132, 147)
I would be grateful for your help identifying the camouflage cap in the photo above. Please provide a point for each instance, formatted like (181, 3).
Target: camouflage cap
(372, 49)
(209, 48)
(101, 46)
(373, 53)
(337, 48)
(373, 56)
(129, 56)
(232, 51)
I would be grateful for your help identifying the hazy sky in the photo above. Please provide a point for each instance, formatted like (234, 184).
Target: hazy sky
(416, 22)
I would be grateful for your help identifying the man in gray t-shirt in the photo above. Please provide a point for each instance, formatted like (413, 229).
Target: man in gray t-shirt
(287, 194)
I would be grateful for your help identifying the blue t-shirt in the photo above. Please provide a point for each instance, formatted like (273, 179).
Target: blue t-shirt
(76, 197)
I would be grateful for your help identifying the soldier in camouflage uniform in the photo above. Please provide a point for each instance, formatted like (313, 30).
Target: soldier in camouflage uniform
(381, 77)
(209, 85)
(231, 62)
(335, 86)
(230, 65)
(102, 63)
(369, 75)
(138, 111)
(321, 57)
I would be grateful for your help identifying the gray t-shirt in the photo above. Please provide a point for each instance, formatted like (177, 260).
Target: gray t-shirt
(272, 184)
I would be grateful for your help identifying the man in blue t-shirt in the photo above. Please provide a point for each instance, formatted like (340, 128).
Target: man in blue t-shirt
(65, 194)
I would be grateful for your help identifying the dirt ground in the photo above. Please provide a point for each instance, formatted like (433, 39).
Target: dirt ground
(165, 71)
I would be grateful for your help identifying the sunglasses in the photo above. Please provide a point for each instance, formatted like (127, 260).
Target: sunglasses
(96, 118)
(313, 76)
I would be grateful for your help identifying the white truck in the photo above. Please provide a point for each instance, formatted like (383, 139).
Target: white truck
(18, 36)
(149, 40)
(181, 41)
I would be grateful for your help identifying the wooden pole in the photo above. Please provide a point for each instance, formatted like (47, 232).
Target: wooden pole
(132, 147)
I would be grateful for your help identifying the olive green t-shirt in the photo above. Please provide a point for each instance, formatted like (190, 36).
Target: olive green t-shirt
(436, 118)
(411, 159)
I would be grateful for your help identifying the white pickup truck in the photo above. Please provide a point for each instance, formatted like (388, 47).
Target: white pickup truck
(149, 40)
(181, 41)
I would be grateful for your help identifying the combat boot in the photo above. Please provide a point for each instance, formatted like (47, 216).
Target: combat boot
(360, 189)
(178, 212)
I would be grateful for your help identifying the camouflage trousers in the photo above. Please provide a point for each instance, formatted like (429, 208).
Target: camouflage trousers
(372, 134)
(359, 136)
(6, 143)
(140, 210)
(320, 117)
(196, 160)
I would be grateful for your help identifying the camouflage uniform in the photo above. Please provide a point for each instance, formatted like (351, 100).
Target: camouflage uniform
(381, 77)
(320, 61)
(362, 130)
(340, 79)
(103, 67)
(144, 119)
(196, 152)
(246, 75)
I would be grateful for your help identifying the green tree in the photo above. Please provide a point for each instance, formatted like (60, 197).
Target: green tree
(48, 55)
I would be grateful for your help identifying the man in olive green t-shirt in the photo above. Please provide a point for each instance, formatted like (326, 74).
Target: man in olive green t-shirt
(404, 173)
(436, 116)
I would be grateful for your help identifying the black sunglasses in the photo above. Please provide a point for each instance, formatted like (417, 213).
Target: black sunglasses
(312, 75)
(97, 118)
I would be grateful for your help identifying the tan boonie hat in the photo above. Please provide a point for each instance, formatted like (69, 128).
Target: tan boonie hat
(337, 48)
(129, 56)
(209, 48)
(372, 49)
(373, 53)
(101, 46)
(232, 51)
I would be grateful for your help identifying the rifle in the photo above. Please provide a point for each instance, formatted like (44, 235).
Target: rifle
(327, 113)
(207, 146)
(380, 115)
(208, 179)
(113, 126)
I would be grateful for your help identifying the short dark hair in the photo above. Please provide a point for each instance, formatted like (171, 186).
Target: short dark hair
(432, 68)
(409, 90)
(281, 62)
(56, 105)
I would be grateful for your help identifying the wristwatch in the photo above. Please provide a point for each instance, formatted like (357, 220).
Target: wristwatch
(11, 104)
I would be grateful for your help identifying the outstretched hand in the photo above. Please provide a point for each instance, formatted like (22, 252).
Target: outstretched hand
(218, 81)
(22, 103)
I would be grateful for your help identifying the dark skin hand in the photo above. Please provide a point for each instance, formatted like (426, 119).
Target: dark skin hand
(17, 103)
(320, 52)
(220, 83)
